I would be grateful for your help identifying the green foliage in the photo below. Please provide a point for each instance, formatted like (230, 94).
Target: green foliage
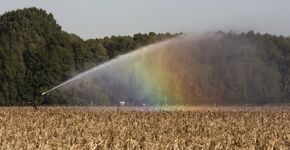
(35, 55)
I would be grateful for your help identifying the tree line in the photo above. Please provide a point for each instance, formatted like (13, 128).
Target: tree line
(36, 54)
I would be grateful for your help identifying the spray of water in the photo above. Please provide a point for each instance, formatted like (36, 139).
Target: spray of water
(211, 68)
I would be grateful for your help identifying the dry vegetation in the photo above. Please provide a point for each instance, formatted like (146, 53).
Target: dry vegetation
(132, 128)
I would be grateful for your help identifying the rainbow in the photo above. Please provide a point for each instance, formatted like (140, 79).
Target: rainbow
(163, 75)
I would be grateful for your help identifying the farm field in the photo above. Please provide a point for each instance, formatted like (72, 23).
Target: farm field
(145, 128)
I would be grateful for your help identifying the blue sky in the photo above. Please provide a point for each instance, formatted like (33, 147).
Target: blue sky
(99, 18)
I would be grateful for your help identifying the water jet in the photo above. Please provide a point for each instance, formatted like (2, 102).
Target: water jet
(186, 70)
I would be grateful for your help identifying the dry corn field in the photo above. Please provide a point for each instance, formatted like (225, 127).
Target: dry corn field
(145, 128)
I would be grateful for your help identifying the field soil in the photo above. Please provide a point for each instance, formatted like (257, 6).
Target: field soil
(145, 128)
